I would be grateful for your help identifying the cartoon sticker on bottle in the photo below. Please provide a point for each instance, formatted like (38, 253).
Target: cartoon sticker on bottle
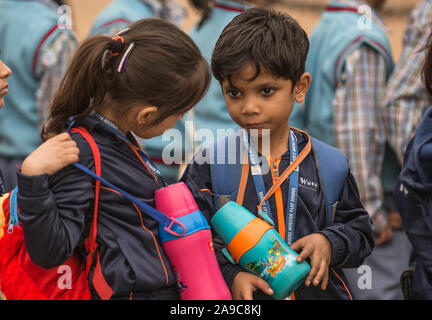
(269, 266)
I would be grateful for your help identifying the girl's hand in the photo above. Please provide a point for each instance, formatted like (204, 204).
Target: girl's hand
(245, 283)
(51, 156)
(318, 248)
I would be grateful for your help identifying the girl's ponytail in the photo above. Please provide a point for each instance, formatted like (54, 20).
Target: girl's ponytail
(83, 86)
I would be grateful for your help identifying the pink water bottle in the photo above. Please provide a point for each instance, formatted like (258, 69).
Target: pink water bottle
(192, 254)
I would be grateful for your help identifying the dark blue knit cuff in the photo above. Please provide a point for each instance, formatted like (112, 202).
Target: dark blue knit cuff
(32, 186)
(338, 247)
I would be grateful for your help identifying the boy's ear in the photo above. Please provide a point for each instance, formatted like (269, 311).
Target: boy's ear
(146, 114)
(302, 87)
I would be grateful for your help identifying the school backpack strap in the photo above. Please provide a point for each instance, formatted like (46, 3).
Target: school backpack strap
(99, 283)
(225, 168)
(332, 172)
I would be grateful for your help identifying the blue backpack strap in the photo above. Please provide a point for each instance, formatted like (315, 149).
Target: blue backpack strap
(225, 168)
(333, 170)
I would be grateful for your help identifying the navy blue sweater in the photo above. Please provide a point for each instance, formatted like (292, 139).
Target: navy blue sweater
(56, 213)
(413, 195)
(351, 236)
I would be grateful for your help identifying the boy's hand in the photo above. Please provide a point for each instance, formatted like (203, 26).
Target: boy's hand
(51, 156)
(318, 248)
(245, 283)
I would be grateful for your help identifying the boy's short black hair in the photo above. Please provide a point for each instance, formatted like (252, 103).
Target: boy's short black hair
(263, 37)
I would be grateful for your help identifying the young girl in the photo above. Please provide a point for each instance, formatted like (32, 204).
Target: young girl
(140, 81)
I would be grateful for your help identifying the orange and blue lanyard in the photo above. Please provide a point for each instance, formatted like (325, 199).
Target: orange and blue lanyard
(260, 187)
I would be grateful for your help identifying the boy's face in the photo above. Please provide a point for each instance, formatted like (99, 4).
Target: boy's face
(264, 103)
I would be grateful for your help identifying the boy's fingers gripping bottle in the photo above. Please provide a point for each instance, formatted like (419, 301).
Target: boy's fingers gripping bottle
(258, 248)
(192, 254)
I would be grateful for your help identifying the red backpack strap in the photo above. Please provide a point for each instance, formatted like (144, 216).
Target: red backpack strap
(99, 283)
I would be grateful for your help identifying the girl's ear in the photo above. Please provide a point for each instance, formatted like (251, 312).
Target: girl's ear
(302, 87)
(146, 115)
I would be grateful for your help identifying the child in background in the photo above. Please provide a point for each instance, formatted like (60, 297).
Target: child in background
(120, 14)
(211, 113)
(39, 51)
(413, 194)
(406, 97)
(259, 60)
(140, 81)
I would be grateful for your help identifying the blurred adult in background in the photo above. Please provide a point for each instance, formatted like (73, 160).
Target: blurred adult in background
(118, 15)
(38, 49)
(350, 61)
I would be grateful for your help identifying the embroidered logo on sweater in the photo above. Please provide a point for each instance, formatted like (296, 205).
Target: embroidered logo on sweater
(308, 184)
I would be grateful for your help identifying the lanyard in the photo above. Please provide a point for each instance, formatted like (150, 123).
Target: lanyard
(143, 157)
(257, 177)
(293, 191)
(260, 188)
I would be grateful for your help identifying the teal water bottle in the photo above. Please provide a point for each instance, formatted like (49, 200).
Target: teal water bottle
(258, 248)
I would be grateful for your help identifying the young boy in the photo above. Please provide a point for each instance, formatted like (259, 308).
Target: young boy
(259, 61)
(350, 61)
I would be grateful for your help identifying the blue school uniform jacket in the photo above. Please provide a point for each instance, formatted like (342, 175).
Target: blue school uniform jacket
(413, 196)
(350, 235)
(56, 213)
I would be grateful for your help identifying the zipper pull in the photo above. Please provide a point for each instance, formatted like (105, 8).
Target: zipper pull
(275, 170)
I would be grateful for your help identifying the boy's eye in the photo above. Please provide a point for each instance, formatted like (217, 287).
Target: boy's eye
(233, 93)
(267, 91)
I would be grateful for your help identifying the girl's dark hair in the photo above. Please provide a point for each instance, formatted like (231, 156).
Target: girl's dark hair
(262, 37)
(427, 67)
(164, 69)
